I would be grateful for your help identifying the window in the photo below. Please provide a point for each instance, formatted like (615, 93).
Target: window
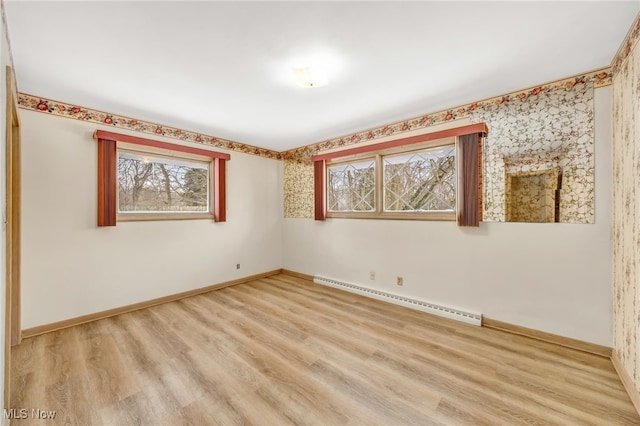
(142, 179)
(400, 183)
(351, 187)
(420, 181)
(434, 176)
(151, 183)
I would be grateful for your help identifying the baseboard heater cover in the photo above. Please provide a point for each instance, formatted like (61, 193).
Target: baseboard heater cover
(420, 305)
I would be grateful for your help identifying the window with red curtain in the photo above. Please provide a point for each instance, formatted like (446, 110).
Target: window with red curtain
(406, 178)
(168, 181)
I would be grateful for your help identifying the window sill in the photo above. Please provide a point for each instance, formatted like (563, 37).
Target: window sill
(431, 216)
(140, 217)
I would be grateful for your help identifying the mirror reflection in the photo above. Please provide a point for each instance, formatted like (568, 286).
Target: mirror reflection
(538, 158)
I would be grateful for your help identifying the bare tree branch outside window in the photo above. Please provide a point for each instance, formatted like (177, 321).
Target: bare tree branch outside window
(418, 181)
(156, 184)
(352, 187)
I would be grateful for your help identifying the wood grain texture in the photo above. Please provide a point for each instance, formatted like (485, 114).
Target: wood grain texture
(14, 215)
(107, 191)
(548, 337)
(297, 274)
(282, 350)
(626, 381)
(71, 322)
(13, 228)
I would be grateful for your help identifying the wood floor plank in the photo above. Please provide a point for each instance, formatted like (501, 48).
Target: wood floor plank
(62, 356)
(134, 409)
(279, 366)
(282, 350)
(109, 377)
(73, 401)
(28, 383)
(336, 327)
(409, 339)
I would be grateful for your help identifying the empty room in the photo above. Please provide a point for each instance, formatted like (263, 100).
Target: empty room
(320, 213)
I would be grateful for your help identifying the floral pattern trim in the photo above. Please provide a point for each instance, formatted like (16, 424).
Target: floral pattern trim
(75, 112)
(627, 46)
(599, 78)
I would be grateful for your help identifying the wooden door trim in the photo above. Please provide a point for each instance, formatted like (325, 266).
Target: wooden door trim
(12, 226)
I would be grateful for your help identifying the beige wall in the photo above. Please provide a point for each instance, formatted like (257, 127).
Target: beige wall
(71, 267)
(626, 218)
(551, 277)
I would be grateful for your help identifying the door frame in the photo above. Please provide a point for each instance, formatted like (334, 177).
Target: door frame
(13, 229)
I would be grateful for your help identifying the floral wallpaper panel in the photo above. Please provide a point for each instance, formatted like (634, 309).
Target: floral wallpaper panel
(553, 129)
(626, 205)
(298, 189)
(546, 127)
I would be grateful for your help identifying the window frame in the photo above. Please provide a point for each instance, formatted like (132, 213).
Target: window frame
(348, 160)
(108, 148)
(378, 158)
(469, 165)
(163, 153)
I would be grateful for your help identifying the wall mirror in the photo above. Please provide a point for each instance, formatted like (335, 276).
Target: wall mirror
(539, 158)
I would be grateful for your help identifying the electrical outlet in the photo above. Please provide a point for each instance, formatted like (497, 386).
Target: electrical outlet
(400, 281)
(237, 266)
(372, 275)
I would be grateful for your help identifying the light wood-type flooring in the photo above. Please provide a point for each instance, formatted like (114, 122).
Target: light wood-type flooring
(282, 350)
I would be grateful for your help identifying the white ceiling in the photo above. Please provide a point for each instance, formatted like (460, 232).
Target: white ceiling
(224, 68)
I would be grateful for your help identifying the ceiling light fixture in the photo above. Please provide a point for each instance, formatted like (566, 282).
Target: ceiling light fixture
(310, 77)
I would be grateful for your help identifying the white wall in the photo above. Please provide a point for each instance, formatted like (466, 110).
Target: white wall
(550, 277)
(71, 267)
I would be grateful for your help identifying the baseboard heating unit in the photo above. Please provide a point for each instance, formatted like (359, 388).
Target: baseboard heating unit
(420, 305)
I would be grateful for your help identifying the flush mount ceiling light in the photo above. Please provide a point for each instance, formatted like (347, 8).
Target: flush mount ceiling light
(310, 77)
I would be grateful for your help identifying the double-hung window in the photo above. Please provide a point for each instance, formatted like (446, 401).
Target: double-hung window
(436, 176)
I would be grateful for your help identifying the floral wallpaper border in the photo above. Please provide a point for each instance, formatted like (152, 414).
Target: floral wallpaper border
(48, 106)
(600, 78)
(627, 46)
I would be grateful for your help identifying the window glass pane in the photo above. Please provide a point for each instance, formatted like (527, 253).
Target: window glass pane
(351, 187)
(148, 183)
(420, 181)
